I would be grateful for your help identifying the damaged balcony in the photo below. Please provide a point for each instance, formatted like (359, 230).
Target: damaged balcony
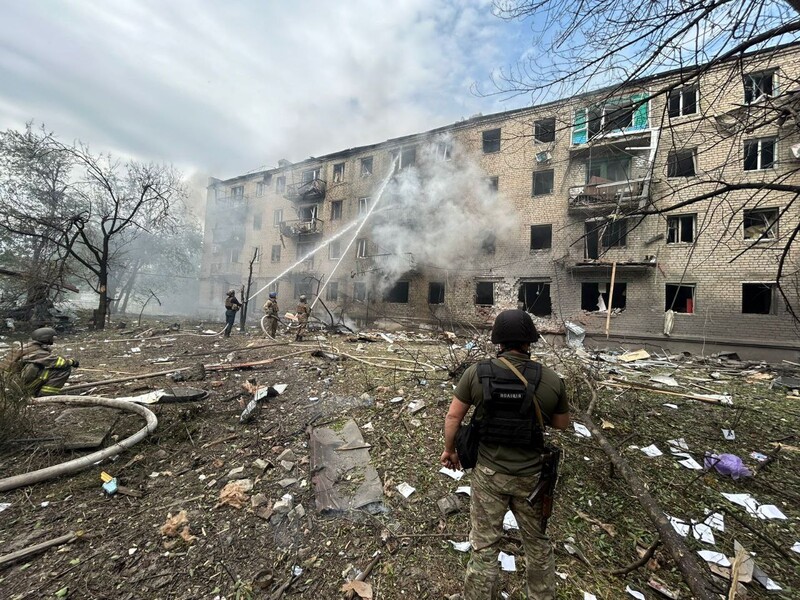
(603, 195)
(313, 190)
(302, 228)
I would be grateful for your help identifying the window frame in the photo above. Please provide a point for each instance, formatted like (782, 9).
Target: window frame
(338, 172)
(772, 299)
(256, 254)
(545, 175)
(309, 175)
(336, 210)
(677, 158)
(478, 295)
(388, 294)
(680, 94)
(440, 287)
(772, 229)
(275, 254)
(621, 241)
(749, 90)
(237, 191)
(444, 151)
(489, 141)
(670, 302)
(679, 221)
(332, 291)
(363, 205)
(280, 184)
(277, 217)
(261, 188)
(759, 144)
(493, 183)
(366, 165)
(359, 291)
(362, 248)
(334, 244)
(549, 237)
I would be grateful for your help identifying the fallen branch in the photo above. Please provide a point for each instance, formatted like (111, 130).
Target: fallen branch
(216, 442)
(36, 548)
(641, 562)
(645, 388)
(364, 574)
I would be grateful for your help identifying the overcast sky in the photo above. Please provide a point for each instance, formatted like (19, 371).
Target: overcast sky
(222, 88)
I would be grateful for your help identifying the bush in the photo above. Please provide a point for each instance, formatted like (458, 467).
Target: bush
(14, 404)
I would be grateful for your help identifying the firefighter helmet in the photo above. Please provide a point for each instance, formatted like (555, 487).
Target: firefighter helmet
(44, 335)
(273, 294)
(514, 326)
(303, 298)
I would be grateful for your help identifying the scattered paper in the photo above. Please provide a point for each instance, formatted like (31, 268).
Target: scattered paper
(510, 521)
(580, 429)
(691, 463)
(769, 511)
(460, 546)
(746, 501)
(507, 561)
(452, 473)
(702, 532)
(588, 596)
(634, 593)
(665, 380)
(717, 558)
(670, 405)
(762, 578)
(4, 505)
(652, 451)
(405, 489)
(716, 521)
(396, 399)
(632, 356)
(796, 547)
(758, 456)
(728, 434)
(464, 489)
(680, 526)
(679, 443)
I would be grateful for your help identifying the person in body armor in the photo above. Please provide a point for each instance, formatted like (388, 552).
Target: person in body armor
(510, 454)
(302, 318)
(232, 305)
(271, 308)
(42, 372)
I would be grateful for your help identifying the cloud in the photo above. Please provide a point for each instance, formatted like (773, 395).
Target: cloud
(224, 88)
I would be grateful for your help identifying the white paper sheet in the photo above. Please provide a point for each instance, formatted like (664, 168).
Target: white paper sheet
(770, 511)
(715, 521)
(691, 463)
(680, 526)
(4, 505)
(510, 521)
(679, 443)
(507, 561)
(464, 489)
(764, 580)
(460, 546)
(796, 547)
(728, 434)
(453, 474)
(749, 503)
(718, 558)
(652, 451)
(588, 596)
(702, 532)
(670, 405)
(580, 429)
(634, 593)
(405, 489)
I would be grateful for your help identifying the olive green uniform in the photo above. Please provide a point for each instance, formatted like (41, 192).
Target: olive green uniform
(302, 320)
(502, 480)
(271, 308)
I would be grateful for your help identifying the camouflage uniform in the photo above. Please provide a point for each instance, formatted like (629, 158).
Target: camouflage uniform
(502, 480)
(44, 373)
(302, 320)
(271, 308)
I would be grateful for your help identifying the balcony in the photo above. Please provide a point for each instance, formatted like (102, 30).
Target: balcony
(602, 195)
(313, 190)
(301, 228)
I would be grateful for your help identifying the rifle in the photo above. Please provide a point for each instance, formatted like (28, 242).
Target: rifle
(546, 487)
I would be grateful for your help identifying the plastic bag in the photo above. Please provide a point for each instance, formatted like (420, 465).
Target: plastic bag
(727, 464)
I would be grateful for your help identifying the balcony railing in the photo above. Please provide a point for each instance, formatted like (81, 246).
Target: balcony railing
(603, 194)
(301, 228)
(311, 190)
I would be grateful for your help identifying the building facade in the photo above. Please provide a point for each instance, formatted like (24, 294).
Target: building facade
(684, 195)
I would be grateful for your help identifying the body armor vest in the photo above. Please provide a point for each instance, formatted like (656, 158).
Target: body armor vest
(509, 416)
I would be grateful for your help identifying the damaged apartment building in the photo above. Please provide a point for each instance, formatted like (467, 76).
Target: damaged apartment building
(641, 184)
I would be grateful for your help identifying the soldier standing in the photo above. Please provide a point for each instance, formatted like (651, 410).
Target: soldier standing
(514, 398)
(271, 309)
(232, 305)
(302, 318)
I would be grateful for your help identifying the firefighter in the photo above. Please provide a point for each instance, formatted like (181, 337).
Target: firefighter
(43, 372)
(302, 318)
(271, 308)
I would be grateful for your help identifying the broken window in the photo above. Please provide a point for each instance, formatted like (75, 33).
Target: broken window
(759, 154)
(534, 297)
(404, 158)
(681, 163)
(757, 85)
(757, 298)
(237, 191)
(257, 221)
(679, 298)
(361, 248)
(366, 166)
(332, 291)
(615, 116)
(484, 293)
(494, 183)
(304, 250)
(594, 296)
(302, 288)
(398, 293)
(280, 184)
(542, 183)
(491, 141)
(360, 291)
(488, 240)
(336, 210)
(435, 292)
(607, 170)
(680, 229)
(308, 213)
(760, 224)
(544, 130)
(260, 188)
(444, 150)
(615, 233)
(276, 253)
(234, 255)
(277, 217)
(591, 239)
(334, 250)
(309, 175)
(338, 173)
(363, 206)
(682, 101)
(256, 254)
(541, 237)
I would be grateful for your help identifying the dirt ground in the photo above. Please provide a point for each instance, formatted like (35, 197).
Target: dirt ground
(249, 553)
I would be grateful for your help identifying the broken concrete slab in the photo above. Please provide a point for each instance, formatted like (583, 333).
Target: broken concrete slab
(86, 427)
(343, 481)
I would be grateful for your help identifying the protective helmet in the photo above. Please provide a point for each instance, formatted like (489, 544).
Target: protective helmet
(43, 335)
(303, 298)
(514, 327)
(231, 292)
(273, 294)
